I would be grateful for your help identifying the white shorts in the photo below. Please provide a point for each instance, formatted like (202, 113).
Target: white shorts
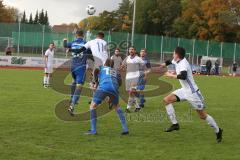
(49, 69)
(131, 84)
(195, 99)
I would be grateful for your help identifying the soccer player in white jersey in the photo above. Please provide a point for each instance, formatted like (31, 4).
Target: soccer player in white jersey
(98, 47)
(48, 64)
(133, 64)
(189, 92)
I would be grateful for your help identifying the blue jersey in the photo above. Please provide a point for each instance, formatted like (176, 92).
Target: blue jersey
(78, 59)
(108, 79)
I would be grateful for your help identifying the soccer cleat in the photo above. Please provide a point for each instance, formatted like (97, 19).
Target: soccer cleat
(141, 105)
(172, 128)
(90, 133)
(125, 133)
(137, 109)
(71, 110)
(127, 111)
(219, 135)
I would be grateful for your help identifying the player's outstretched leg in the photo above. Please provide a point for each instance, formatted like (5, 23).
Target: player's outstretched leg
(93, 119)
(171, 112)
(212, 123)
(122, 119)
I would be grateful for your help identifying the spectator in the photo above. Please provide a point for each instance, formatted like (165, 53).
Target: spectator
(208, 67)
(117, 59)
(234, 69)
(217, 64)
(8, 51)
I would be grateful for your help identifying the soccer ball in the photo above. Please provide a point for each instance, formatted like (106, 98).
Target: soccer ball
(91, 10)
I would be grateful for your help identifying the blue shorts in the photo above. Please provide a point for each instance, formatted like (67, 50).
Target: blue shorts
(100, 95)
(79, 74)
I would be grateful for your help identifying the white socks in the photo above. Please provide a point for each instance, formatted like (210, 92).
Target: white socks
(212, 123)
(46, 80)
(171, 113)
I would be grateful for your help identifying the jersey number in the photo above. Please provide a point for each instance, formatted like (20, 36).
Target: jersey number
(110, 72)
(100, 47)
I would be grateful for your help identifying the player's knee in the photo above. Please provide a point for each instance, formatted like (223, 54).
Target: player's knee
(166, 101)
(202, 116)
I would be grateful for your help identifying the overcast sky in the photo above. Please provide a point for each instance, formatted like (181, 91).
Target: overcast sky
(63, 11)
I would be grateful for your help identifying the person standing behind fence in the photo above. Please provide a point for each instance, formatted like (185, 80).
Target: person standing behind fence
(217, 64)
(48, 64)
(234, 69)
(117, 59)
(208, 67)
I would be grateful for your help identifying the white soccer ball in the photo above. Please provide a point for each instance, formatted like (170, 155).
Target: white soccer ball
(91, 10)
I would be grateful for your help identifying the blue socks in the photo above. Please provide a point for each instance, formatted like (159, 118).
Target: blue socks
(73, 87)
(122, 119)
(76, 96)
(141, 97)
(93, 119)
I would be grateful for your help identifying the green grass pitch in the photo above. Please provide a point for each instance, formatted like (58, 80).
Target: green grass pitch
(29, 129)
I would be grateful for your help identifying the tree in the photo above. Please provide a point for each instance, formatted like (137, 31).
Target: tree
(30, 19)
(209, 20)
(41, 17)
(36, 19)
(46, 20)
(8, 14)
(157, 16)
(24, 18)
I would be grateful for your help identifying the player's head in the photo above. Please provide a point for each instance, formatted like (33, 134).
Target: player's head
(109, 63)
(143, 52)
(79, 34)
(100, 35)
(179, 53)
(51, 45)
(117, 51)
(132, 51)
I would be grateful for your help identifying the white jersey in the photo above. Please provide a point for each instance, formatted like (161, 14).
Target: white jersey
(134, 66)
(189, 84)
(50, 57)
(99, 51)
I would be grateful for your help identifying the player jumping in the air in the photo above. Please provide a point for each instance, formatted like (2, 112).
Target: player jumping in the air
(78, 68)
(109, 82)
(98, 47)
(134, 64)
(48, 64)
(143, 76)
(189, 92)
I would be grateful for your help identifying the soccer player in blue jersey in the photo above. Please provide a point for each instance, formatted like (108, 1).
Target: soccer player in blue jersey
(78, 68)
(109, 82)
(143, 76)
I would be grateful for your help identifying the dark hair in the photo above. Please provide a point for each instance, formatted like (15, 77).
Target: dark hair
(80, 33)
(52, 43)
(117, 49)
(180, 51)
(100, 34)
(144, 49)
(132, 47)
(109, 62)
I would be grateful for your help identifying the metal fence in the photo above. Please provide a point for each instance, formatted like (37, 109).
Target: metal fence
(32, 40)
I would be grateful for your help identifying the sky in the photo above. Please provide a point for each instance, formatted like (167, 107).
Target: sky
(63, 11)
